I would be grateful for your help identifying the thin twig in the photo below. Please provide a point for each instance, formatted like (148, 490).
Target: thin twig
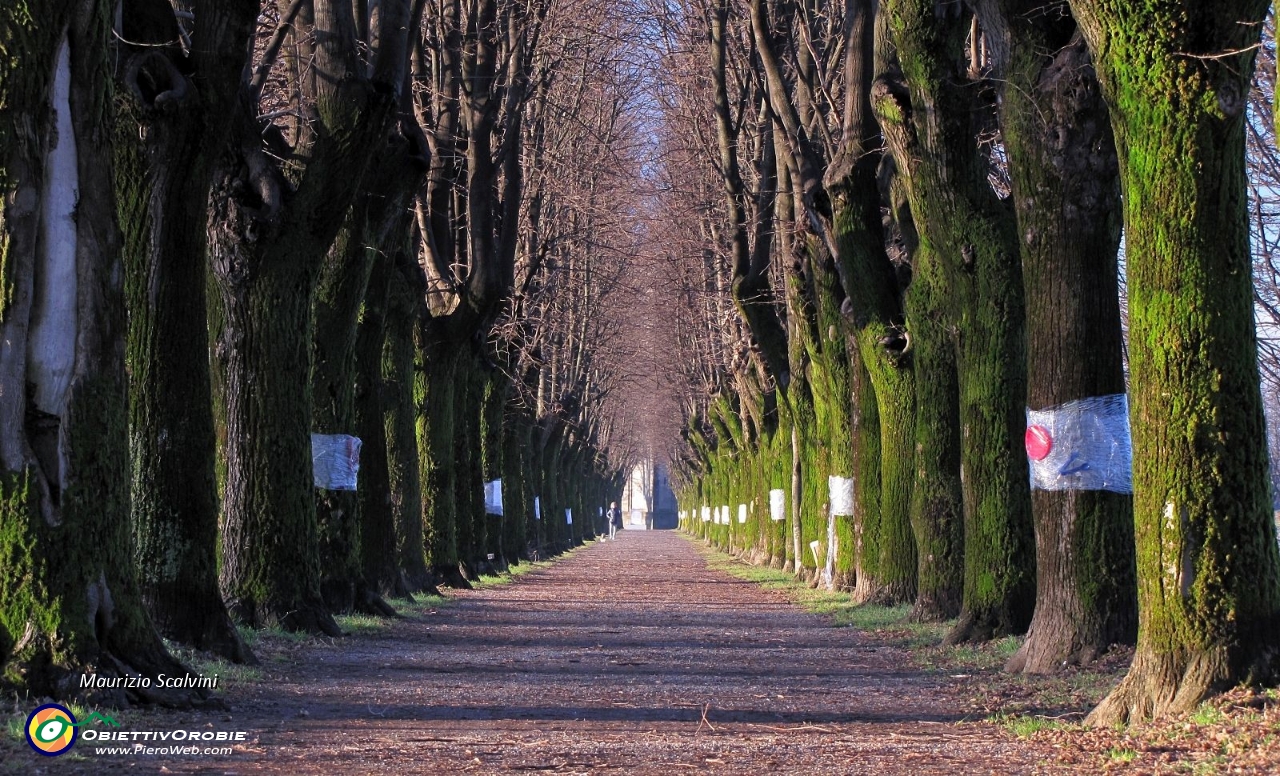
(272, 51)
(144, 45)
(1223, 55)
(705, 721)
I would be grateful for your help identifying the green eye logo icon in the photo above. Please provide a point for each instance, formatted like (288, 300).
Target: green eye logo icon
(51, 729)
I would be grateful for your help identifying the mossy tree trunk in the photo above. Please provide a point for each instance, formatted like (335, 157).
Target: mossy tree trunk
(865, 523)
(935, 506)
(1175, 77)
(379, 535)
(840, 207)
(937, 511)
(468, 492)
(347, 307)
(435, 383)
(517, 438)
(69, 601)
(931, 114)
(398, 383)
(272, 227)
(874, 316)
(165, 143)
(493, 465)
(340, 295)
(1063, 168)
(833, 438)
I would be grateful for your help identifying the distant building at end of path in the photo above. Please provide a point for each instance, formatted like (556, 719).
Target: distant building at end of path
(647, 498)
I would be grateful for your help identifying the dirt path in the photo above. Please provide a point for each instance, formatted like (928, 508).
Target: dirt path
(627, 657)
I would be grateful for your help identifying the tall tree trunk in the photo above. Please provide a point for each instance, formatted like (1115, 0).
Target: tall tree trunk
(937, 511)
(435, 397)
(378, 222)
(163, 168)
(378, 535)
(1208, 566)
(468, 488)
(69, 600)
(266, 271)
(867, 458)
(339, 297)
(272, 226)
(1063, 168)
(270, 542)
(517, 496)
(873, 310)
(494, 466)
(400, 421)
(931, 123)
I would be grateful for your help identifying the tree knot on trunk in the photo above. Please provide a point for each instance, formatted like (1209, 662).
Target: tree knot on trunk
(1231, 97)
(897, 342)
(154, 80)
(891, 102)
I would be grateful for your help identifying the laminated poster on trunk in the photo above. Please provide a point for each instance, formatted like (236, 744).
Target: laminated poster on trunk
(537, 508)
(1081, 445)
(840, 492)
(335, 461)
(493, 497)
(742, 513)
(568, 516)
(777, 504)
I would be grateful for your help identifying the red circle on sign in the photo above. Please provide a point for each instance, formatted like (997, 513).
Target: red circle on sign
(1039, 443)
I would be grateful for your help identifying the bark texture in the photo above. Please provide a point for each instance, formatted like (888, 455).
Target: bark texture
(1175, 78)
(165, 143)
(1063, 166)
(69, 600)
(931, 112)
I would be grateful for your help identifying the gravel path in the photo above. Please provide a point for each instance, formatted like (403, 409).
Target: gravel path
(627, 657)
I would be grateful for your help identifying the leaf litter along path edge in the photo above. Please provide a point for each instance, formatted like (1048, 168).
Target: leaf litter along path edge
(627, 657)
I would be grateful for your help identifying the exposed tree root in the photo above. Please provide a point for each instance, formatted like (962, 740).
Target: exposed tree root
(1043, 653)
(1160, 685)
(873, 593)
(929, 608)
(309, 617)
(866, 589)
(843, 581)
(981, 626)
(339, 595)
(369, 602)
(222, 639)
(452, 576)
(423, 583)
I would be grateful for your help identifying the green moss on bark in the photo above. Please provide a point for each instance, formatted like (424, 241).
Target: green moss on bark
(1207, 562)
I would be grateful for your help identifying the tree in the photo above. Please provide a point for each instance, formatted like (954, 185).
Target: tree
(279, 198)
(358, 535)
(932, 110)
(473, 66)
(69, 600)
(1176, 79)
(1063, 174)
(173, 108)
(404, 299)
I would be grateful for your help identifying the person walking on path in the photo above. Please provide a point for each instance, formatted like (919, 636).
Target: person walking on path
(615, 520)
